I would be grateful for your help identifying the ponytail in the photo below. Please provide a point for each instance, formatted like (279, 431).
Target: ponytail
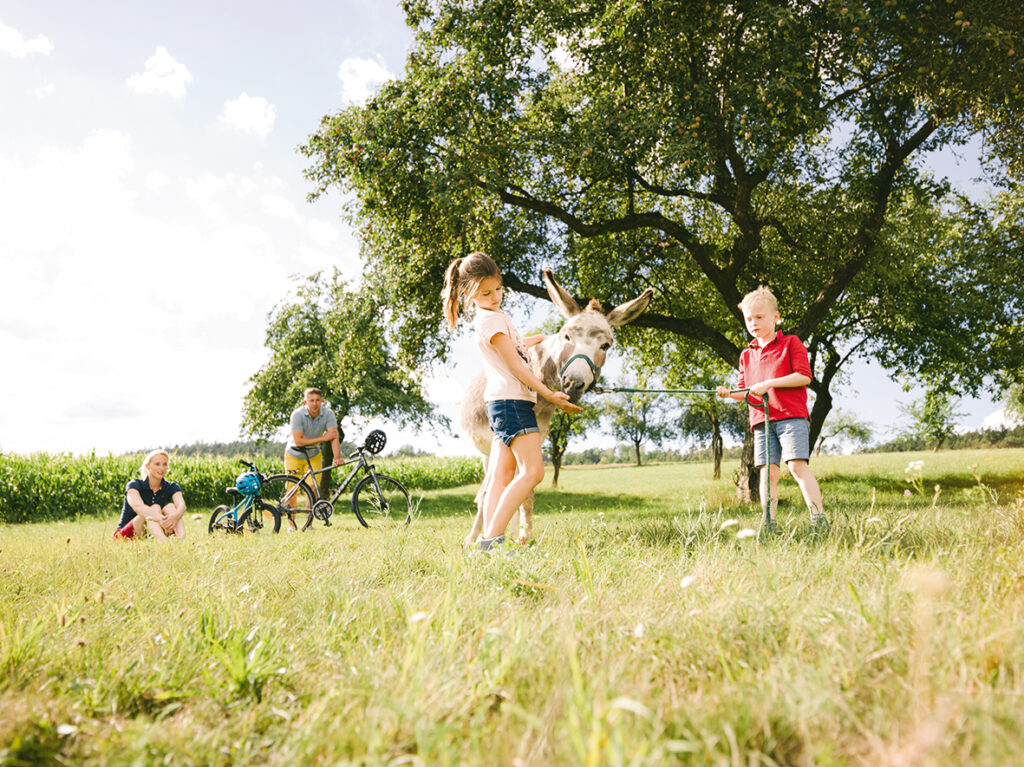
(461, 279)
(450, 293)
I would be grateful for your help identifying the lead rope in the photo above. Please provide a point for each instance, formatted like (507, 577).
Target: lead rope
(766, 522)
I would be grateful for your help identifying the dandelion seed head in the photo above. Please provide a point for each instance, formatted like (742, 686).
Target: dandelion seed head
(746, 532)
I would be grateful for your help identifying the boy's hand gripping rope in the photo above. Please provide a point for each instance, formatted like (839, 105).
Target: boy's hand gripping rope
(747, 398)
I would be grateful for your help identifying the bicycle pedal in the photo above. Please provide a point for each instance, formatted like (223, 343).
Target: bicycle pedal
(327, 523)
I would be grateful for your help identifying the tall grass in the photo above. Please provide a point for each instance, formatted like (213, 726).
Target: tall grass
(641, 629)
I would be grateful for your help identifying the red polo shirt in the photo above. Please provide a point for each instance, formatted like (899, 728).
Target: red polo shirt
(782, 356)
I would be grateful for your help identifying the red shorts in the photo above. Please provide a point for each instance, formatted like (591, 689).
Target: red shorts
(127, 532)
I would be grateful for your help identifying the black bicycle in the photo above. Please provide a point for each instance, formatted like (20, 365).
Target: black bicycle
(377, 499)
(251, 513)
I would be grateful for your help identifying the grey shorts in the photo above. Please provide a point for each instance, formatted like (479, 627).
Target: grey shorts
(790, 441)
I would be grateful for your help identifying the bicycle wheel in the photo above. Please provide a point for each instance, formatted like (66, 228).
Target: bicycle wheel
(260, 516)
(382, 503)
(222, 520)
(291, 499)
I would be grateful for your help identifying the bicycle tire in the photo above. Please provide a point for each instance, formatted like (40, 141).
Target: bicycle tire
(221, 521)
(279, 490)
(391, 507)
(260, 516)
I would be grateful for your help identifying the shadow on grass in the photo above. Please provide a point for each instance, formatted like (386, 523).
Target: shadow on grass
(457, 504)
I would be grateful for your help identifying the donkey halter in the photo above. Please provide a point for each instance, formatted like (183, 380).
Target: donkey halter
(594, 369)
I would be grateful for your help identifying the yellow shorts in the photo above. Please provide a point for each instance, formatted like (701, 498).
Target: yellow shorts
(298, 467)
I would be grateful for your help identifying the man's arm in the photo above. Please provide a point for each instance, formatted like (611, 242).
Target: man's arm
(301, 440)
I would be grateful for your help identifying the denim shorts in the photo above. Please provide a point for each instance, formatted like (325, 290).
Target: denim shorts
(790, 441)
(511, 417)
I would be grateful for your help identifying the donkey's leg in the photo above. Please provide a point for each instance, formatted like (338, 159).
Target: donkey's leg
(526, 519)
(478, 520)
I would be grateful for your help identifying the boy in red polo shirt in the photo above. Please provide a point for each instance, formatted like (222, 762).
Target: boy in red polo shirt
(776, 366)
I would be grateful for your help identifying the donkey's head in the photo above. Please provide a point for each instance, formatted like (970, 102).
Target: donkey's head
(587, 335)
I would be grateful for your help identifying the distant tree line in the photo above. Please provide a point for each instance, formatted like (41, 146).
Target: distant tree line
(982, 438)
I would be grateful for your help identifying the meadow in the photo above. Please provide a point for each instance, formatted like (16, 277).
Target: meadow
(647, 625)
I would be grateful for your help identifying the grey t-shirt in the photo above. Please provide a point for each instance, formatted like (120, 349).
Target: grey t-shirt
(302, 421)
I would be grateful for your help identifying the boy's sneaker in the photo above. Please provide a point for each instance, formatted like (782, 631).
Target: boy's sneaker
(769, 527)
(819, 524)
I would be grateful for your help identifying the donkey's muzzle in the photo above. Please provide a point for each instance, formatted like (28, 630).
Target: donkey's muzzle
(573, 387)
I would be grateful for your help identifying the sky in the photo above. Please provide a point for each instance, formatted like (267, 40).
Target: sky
(153, 211)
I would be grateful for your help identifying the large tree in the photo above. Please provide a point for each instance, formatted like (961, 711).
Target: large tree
(700, 148)
(333, 336)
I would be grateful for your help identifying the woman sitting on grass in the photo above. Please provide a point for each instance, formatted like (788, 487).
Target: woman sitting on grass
(151, 504)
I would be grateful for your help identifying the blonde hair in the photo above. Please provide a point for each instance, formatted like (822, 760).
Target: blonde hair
(144, 468)
(760, 296)
(462, 279)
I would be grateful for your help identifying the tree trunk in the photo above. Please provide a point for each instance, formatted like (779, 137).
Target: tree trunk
(822, 407)
(636, 447)
(717, 447)
(325, 479)
(556, 464)
(747, 486)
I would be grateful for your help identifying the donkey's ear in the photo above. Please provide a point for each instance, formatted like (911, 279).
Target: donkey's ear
(566, 303)
(623, 314)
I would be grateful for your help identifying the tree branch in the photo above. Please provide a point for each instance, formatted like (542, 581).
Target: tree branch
(866, 235)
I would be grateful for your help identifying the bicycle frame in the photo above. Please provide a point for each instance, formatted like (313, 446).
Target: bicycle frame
(357, 458)
(236, 511)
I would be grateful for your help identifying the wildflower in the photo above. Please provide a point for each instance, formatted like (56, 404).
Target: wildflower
(687, 581)
(417, 617)
(906, 492)
(638, 632)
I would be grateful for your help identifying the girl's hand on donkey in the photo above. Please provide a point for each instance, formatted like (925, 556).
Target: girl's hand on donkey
(561, 400)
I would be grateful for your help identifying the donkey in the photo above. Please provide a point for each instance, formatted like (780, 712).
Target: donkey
(570, 360)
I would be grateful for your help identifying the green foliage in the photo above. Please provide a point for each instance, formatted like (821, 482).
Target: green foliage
(41, 487)
(933, 417)
(338, 339)
(640, 418)
(432, 473)
(972, 440)
(701, 149)
(844, 426)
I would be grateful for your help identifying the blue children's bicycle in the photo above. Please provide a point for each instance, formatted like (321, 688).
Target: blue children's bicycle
(251, 513)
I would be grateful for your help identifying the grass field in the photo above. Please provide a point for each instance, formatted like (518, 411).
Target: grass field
(643, 628)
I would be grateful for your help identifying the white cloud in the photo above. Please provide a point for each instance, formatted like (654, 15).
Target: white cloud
(114, 299)
(360, 78)
(45, 90)
(162, 74)
(13, 43)
(249, 114)
(1000, 419)
(155, 180)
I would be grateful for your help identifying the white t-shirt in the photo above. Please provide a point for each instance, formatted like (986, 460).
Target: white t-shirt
(501, 384)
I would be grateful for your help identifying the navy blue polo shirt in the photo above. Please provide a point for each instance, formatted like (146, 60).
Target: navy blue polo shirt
(161, 497)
